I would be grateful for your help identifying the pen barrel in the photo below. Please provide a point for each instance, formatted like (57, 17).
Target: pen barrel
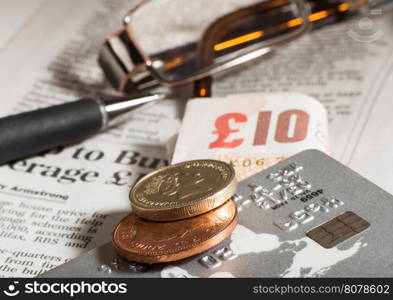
(33, 132)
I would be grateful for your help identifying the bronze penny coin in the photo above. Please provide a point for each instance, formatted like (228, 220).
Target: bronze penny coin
(183, 190)
(140, 240)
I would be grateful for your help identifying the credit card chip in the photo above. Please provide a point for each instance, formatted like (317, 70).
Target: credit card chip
(338, 230)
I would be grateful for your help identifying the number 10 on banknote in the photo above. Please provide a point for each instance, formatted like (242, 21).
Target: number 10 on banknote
(251, 131)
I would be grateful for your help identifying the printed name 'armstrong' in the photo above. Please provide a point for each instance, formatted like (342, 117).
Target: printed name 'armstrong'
(40, 193)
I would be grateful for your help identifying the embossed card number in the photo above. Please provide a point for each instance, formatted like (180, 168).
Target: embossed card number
(289, 185)
(306, 215)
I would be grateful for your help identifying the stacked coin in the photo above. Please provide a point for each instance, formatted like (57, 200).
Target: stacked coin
(178, 211)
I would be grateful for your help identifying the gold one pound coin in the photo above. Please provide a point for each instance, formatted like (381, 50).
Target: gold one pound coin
(183, 190)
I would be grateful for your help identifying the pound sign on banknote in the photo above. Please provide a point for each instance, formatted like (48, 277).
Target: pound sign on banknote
(224, 131)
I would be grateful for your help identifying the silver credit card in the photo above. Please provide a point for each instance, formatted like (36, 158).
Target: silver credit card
(308, 216)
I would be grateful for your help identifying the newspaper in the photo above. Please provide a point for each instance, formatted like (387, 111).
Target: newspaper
(58, 205)
(14, 15)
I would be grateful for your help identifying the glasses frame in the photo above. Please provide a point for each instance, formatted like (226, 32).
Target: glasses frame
(257, 50)
(129, 70)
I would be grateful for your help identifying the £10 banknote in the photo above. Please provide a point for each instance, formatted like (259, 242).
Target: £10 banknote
(251, 131)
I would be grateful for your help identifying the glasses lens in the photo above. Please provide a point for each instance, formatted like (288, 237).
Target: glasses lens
(184, 38)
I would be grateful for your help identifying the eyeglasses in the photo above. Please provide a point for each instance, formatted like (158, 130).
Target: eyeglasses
(174, 42)
(171, 42)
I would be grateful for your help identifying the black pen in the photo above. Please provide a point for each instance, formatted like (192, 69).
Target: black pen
(33, 132)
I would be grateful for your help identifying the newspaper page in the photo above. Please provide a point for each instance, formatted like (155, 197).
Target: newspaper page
(14, 15)
(348, 67)
(57, 205)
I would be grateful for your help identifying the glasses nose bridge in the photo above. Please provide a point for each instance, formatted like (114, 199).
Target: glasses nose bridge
(214, 34)
(228, 23)
(218, 30)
